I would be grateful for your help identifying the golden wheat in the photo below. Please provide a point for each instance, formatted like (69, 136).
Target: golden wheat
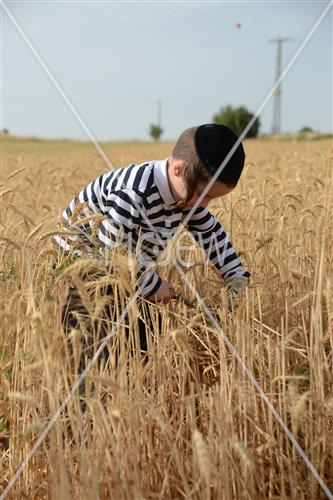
(185, 424)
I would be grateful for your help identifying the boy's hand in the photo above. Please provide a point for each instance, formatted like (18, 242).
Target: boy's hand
(164, 293)
(235, 285)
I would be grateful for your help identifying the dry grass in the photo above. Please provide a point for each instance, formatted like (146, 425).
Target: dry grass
(187, 424)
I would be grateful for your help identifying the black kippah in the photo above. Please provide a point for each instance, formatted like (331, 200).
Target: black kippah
(213, 142)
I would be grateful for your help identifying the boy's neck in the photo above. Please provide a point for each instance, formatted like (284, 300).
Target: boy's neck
(169, 177)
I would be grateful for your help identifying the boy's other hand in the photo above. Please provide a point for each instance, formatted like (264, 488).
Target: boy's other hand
(165, 293)
(235, 285)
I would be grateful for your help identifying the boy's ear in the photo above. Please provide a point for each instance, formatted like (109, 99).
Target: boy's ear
(178, 167)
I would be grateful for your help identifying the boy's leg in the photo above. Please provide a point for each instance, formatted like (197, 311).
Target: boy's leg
(76, 316)
(147, 327)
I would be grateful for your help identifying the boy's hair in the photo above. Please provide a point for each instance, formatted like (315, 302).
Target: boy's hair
(203, 149)
(194, 171)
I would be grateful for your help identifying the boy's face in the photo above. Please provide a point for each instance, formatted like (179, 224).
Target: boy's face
(179, 190)
(217, 189)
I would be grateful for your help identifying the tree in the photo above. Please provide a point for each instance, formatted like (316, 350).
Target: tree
(5, 131)
(237, 119)
(155, 132)
(306, 129)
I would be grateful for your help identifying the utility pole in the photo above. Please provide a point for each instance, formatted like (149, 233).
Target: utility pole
(159, 118)
(276, 125)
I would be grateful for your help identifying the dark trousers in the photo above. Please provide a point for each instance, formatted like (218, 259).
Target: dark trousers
(93, 310)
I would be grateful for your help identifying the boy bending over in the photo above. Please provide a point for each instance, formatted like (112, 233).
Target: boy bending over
(142, 206)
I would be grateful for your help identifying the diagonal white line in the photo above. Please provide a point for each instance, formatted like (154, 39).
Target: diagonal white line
(68, 396)
(128, 308)
(257, 386)
(261, 107)
(56, 84)
(72, 108)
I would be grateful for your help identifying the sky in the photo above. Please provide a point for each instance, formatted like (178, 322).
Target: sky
(115, 60)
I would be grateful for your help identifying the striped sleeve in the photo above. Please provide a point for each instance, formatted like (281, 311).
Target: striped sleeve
(124, 210)
(216, 244)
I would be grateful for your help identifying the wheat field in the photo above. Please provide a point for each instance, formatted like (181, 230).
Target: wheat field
(187, 424)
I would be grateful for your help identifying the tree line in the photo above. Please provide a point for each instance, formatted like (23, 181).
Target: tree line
(234, 118)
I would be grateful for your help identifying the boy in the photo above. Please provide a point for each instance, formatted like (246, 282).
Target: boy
(141, 206)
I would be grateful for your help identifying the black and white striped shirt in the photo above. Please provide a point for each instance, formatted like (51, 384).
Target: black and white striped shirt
(134, 206)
